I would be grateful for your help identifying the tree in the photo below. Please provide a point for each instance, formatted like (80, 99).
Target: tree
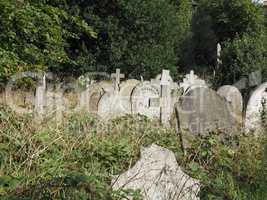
(139, 36)
(243, 56)
(220, 21)
(34, 37)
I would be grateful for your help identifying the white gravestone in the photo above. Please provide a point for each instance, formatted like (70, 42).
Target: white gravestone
(234, 97)
(255, 108)
(84, 96)
(158, 177)
(141, 99)
(192, 81)
(40, 97)
(115, 104)
(165, 100)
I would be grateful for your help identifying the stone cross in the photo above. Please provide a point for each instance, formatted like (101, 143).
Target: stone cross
(117, 76)
(40, 96)
(164, 102)
(191, 80)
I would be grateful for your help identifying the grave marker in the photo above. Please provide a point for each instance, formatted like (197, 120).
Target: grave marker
(256, 108)
(40, 96)
(116, 78)
(192, 81)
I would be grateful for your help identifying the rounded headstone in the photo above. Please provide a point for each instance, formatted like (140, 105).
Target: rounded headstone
(95, 94)
(115, 104)
(201, 110)
(126, 89)
(256, 108)
(232, 95)
(141, 97)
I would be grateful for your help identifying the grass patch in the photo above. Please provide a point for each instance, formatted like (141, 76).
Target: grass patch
(77, 159)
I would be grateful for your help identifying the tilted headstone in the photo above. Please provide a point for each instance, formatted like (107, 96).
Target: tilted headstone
(158, 177)
(192, 81)
(255, 78)
(241, 84)
(202, 110)
(235, 99)
(256, 109)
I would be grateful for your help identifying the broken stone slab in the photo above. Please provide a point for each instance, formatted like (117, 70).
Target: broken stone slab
(158, 177)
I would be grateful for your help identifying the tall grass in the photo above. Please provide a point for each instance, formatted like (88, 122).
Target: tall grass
(78, 159)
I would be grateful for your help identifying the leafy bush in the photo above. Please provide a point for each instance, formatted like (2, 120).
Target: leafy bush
(77, 159)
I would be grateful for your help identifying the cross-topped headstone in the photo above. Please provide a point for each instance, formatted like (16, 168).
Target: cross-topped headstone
(192, 80)
(164, 102)
(117, 77)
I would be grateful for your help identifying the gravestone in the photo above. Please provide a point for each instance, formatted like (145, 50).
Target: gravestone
(126, 89)
(116, 77)
(158, 177)
(232, 95)
(117, 103)
(202, 110)
(141, 99)
(255, 112)
(106, 85)
(95, 94)
(40, 97)
(165, 100)
(84, 95)
(192, 81)
(110, 104)
(90, 96)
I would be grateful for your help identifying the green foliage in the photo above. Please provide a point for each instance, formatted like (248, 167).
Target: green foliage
(74, 160)
(140, 37)
(244, 55)
(224, 22)
(234, 169)
(78, 159)
(34, 37)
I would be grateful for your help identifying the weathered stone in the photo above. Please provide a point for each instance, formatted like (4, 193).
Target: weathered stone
(255, 113)
(116, 79)
(235, 99)
(158, 177)
(192, 81)
(126, 89)
(242, 83)
(117, 103)
(109, 106)
(202, 110)
(106, 85)
(165, 100)
(40, 97)
(255, 78)
(141, 99)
